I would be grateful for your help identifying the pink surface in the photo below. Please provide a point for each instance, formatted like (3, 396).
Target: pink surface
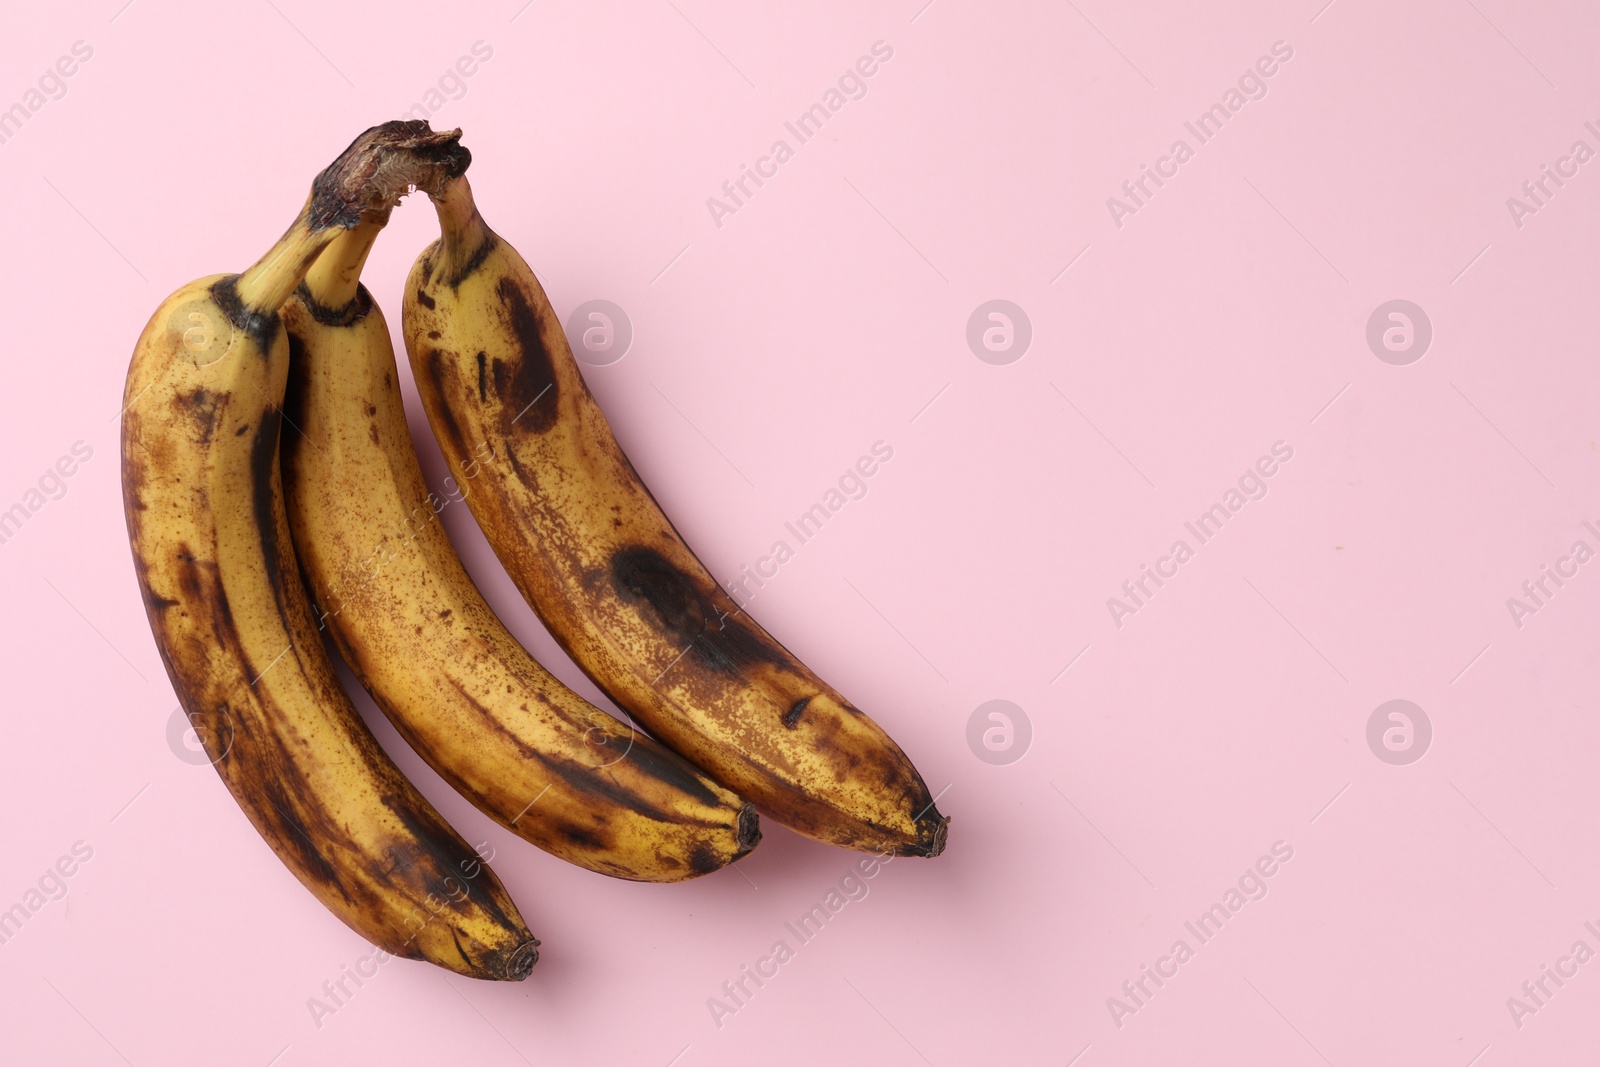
(1226, 717)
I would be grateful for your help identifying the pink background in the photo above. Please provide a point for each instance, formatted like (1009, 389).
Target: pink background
(1228, 714)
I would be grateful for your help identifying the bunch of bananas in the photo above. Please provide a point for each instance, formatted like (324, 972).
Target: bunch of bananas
(250, 538)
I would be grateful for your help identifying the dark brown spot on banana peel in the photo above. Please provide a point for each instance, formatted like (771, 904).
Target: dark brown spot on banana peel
(461, 951)
(582, 780)
(438, 368)
(202, 407)
(527, 385)
(675, 605)
(424, 299)
(267, 783)
(155, 602)
(260, 327)
(294, 401)
(483, 378)
(643, 576)
(791, 718)
(358, 308)
(475, 261)
(263, 459)
(671, 769)
(444, 861)
(580, 838)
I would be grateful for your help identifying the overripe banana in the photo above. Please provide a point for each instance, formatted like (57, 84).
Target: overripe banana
(527, 750)
(203, 501)
(595, 556)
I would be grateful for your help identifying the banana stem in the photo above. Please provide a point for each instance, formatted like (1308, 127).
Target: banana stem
(462, 228)
(263, 288)
(360, 186)
(335, 277)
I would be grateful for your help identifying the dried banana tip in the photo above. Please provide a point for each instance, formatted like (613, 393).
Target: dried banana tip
(748, 831)
(520, 965)
(933, 830)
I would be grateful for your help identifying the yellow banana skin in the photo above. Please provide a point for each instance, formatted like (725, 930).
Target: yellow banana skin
(528, 751)
(608, 574)
(211, 547)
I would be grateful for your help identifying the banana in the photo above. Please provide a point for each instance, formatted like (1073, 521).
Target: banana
(210, 539)
(594, 555)
(528, 751)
